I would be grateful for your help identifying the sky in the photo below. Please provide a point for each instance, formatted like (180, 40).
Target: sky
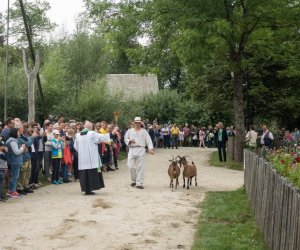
(62, 12)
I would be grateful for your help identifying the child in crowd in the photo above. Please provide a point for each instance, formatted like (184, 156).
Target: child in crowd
(66, 161)
(57, 154)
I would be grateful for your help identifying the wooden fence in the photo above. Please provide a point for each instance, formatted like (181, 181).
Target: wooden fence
(276, 203)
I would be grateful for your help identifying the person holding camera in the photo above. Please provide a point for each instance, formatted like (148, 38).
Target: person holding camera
(15, 160)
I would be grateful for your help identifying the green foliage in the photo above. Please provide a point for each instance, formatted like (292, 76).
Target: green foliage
(227, 222)
(54, 75)
(84, 59)
(193, 46)
(37, 19)
(94, 103)
(2, 30)
(163, 106)
(16, 91)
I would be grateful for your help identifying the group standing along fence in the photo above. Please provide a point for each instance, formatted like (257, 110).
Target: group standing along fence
(276, 203)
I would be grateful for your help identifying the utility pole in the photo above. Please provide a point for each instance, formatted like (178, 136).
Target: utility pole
(32, 55)
(6, 64)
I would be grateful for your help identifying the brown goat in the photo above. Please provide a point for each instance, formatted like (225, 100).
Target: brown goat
(189, 171)
(174, 172)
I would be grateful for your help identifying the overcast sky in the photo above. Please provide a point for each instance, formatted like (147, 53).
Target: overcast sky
(62, 12)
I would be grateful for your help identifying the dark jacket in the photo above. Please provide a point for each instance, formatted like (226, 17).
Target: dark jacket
(224, 136)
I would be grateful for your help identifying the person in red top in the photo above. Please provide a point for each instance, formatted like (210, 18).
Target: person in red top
(66, 160)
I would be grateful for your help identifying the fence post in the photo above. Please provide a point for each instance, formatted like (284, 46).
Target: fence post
(275, 201)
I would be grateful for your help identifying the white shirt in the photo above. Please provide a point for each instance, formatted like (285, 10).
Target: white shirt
(251, 138)
(262, 142)
(142, 139)
(87, 148)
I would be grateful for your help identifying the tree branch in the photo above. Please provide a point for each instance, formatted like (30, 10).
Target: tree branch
(37, 63)
(25, 63)
(245, 10)
(227, 11)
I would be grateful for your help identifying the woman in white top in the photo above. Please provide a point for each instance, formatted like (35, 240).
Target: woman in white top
(251, 137)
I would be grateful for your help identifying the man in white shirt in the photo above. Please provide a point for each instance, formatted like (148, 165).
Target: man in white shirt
(267, 137)
(137, 138)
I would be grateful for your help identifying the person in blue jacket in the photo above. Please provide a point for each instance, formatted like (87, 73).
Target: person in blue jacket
(15, 160)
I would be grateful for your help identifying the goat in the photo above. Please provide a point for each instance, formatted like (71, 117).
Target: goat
(174, 172)
(189, 171)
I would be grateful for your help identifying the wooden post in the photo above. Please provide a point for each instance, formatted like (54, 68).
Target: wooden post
(31, 76)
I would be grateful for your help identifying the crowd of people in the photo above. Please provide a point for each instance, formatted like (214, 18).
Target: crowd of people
(29, 149)
(173, 136)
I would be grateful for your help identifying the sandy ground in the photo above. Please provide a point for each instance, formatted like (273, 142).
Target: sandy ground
(119, 216)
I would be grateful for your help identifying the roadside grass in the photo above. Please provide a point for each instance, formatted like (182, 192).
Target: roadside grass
(227, 222)
(214, 161)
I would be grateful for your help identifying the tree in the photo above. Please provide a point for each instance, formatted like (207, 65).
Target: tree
(2, 30)
(38, 22)
(31, 76)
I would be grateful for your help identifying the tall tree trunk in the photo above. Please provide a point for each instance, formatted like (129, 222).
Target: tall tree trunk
(31, 76)
(238, 102)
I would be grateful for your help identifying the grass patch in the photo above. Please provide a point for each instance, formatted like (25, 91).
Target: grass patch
(227, 222)
(214, 161)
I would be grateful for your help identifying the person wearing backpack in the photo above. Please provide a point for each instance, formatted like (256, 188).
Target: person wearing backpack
(267, 138)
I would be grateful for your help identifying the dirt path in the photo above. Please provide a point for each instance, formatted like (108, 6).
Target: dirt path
(119, 216)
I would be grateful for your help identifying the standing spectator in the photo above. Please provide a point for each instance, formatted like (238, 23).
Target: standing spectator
(37, 155)
(66, 162)
(62, 130)
(222, 138)
(25, 170)
(105, 149)
(175, 134)
(157, 136)
(288, 138)
(15, 160)
(166, 136)
(181, 137)
(296, 135)
(56, 155)
(152, 135)
(75, 158)
(113, 142)
(48, 148)
(186, 133)
(194, 137)
(202, 138)
(9, 124)
(3, 169)
(251, 137)
(267, 138)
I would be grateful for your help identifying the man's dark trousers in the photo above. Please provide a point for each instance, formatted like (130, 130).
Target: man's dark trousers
(222, 149)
